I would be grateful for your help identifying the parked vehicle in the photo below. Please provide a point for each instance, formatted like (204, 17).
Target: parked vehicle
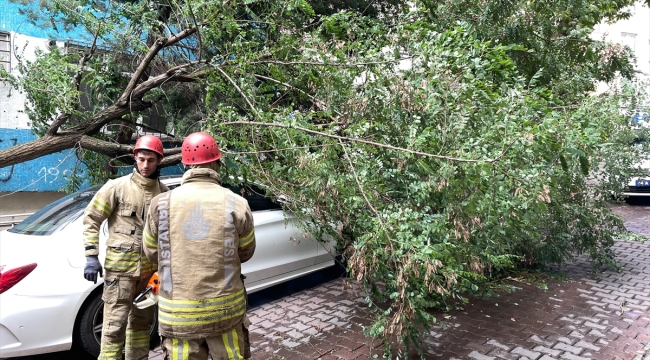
(47, 305)
(640, 186)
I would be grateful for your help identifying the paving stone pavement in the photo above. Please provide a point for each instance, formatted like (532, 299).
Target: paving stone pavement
(602, 315)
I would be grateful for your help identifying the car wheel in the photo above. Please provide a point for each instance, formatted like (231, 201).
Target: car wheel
(88, 329)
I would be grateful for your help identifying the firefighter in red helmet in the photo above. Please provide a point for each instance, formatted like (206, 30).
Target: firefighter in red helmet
(124, 203)
(199, 234)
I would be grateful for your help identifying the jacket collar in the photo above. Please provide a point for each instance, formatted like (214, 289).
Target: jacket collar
(143, 181)
(201, 175)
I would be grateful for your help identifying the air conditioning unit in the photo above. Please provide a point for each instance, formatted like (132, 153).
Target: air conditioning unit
(50, 44)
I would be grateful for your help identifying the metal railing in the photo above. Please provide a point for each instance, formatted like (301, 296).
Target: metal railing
(12, 219)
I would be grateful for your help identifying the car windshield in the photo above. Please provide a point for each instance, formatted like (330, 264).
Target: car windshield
(56, 215)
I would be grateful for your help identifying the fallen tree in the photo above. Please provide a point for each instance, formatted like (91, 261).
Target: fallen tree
(442, 144)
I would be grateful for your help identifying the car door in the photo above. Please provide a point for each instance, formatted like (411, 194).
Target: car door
(282, 250)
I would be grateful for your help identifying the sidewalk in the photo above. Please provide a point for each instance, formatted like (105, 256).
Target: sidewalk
(588, 316)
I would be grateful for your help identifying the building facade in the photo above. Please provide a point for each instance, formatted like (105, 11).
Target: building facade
(634, 33)
(28, 186)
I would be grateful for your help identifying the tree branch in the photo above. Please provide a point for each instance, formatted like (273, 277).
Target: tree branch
(320, 103)
(315, 63)
(171, 74)
(151, 54)
(112, 149)
(181, 35)
(348, 139)
(113, 112)
(144, 64)
(37, 148)
(62, 118)
(171, 159)
(239, 90)
(372, 208)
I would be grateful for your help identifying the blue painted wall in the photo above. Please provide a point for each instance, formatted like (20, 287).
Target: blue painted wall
(46, 173)
(11, 20)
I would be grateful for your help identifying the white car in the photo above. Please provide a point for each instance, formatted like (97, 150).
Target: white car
(640, 186)
(46, 305)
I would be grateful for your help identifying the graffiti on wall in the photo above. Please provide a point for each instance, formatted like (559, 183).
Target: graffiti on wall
(8, 177)
(47, 173)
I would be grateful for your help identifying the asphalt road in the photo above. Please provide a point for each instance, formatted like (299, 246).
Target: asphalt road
(255, 300)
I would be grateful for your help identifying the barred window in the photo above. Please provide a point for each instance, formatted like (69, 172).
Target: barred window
(5, 50)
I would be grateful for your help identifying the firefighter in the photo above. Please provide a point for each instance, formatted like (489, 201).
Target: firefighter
(125, 203)
(199, 234)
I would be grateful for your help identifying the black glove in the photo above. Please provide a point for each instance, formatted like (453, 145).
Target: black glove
(92, 268)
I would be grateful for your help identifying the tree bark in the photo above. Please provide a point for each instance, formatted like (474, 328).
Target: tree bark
(50, 144)
(40, 147)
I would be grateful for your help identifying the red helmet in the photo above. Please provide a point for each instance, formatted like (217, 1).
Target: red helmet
(199, 148)
(149, 142)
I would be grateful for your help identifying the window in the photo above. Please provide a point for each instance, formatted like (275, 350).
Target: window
(5, 51)
(628, 39)
(56, 215)
(256, 198)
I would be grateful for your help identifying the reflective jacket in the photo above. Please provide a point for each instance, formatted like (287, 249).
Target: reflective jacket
(199, 234)
(124, 202)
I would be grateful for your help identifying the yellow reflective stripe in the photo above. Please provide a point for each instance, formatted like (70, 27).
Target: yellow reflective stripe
(111, 351)
(118, 255)
(117, 346)
(174, 349)
(122, 261)
(137, 338)
(138, 344)
(150, 241)
(121, 267)
(148, 266)
(181, 320)
(102, 206)
(180, 349)
(134, 344)
(246, 239)
(91, 238)
(231, 343)
(200, 305)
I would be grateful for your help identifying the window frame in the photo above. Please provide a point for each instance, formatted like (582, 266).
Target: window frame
(628, 35)
(5, 37)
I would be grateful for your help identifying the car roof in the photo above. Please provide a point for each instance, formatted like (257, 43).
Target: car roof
(171, 179)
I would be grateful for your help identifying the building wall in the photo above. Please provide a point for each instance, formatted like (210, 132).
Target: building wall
(46, 174)
(634, 32)
(12, 102)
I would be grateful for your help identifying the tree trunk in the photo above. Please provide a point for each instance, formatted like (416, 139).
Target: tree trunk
(40, 147)
(50, 144)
